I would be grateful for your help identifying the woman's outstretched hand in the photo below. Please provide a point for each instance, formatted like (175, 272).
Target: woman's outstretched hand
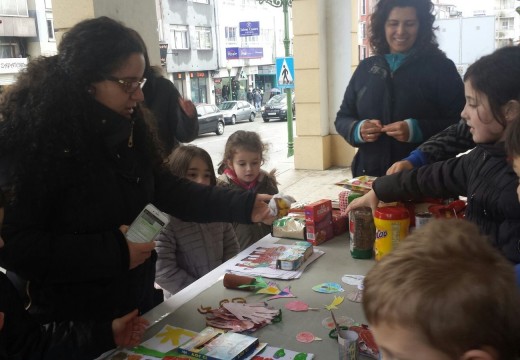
(261, 211)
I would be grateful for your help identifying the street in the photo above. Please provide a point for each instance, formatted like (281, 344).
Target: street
(274, 133)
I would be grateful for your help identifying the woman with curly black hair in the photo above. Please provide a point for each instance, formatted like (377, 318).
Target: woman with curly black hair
(79, 158)
(407, 92)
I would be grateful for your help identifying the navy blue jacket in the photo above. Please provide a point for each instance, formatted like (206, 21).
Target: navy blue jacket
(425, 87)
(487, 180)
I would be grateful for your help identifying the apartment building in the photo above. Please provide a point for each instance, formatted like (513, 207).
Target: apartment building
(219, 49)
(26, 31)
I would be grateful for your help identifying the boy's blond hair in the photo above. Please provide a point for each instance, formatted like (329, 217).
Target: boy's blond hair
(447, 283)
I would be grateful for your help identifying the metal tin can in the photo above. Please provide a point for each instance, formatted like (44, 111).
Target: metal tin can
(391, 225)
(362, 233)
(422, 218)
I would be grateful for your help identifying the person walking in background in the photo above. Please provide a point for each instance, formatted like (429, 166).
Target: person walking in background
(187, 250)
(484, 175)
(241, 169)
(250, 97)
(435, 290)
(80, 158)
(258, 99)
(404, 94)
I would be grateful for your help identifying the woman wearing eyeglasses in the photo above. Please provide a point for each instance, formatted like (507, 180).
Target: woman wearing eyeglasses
(79, 154)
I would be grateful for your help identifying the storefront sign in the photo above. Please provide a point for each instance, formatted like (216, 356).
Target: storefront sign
(244, 53)
(249, 28)
(198, 74)
(12, 65)
(163, 50)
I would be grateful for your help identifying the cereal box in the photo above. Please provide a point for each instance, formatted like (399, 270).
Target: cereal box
(317, 211)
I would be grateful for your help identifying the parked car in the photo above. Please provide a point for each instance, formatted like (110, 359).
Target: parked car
(276, 108)
(211, 119)
(237, 110)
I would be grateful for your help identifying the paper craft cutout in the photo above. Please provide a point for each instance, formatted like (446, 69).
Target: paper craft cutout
(357, 295)
(271, 353)
(298, 306)
(257, 313)
(259, 283)
(169, 338)
(342, 320)
(307, 337)
(328, 288)
(353, 279)
(271, 289)
(337, 300)
(285, 293)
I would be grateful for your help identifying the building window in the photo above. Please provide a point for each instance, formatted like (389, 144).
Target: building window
(203, 38)
(48, 4)
(507, 4)
(363, 7)
(201, 1)
(179, 36)
(507, 24)
(363, 53)
(14, 8)
(231, 34)
(7, 51)
(50, 30)
(363, 30)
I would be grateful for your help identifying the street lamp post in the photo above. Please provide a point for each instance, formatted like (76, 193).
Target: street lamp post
(284, 4)
(229, 67)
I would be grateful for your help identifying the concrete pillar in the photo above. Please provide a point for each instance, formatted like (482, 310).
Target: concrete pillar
(140, 15)
(325, 52)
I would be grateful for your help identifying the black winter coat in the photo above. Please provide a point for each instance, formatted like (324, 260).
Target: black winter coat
(426, 87)
(64, 238)
(173, 124)
(487, 180)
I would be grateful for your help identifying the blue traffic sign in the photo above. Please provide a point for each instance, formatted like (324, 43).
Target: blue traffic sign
(285, 72)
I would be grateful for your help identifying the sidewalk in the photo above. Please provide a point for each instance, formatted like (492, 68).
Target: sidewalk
(310, 185)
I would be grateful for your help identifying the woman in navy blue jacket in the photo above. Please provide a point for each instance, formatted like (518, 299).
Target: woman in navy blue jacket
(404, 94)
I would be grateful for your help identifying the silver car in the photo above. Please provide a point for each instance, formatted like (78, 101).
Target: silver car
(237, 111)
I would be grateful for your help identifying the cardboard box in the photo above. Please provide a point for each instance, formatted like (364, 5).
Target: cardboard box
(317, 233)
(339, 222)
(294, 256)
(317, 211)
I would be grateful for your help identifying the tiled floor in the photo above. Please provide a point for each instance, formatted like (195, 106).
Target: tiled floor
(310, 185)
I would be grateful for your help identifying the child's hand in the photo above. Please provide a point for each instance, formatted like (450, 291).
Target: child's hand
(261, 212)
(128, 330)
(369, 199)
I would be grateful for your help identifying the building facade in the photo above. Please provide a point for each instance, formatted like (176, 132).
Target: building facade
(218, 50)
(26, 31)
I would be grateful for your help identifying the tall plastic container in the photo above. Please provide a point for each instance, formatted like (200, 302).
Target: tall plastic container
(391, 225)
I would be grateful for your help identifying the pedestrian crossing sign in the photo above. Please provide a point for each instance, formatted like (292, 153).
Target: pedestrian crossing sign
(285, 72)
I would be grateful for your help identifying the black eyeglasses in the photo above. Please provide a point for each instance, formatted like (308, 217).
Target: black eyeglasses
(128, 86)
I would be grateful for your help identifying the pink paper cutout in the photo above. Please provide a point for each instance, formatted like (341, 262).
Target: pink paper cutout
(297, 306)
(306, 337)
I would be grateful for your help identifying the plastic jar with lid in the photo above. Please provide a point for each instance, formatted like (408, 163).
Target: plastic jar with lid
(362, 233)
(392, 224)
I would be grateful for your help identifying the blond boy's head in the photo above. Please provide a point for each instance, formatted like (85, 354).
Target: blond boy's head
(444, 288)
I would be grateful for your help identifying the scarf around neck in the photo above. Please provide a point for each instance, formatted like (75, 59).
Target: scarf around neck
(233, 176)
